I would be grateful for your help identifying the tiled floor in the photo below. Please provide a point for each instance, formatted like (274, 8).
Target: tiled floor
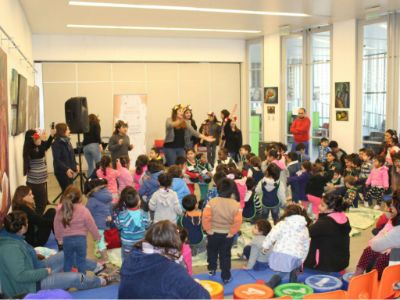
(357, 244)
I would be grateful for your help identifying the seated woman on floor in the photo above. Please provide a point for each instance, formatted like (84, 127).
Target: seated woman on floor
(153, 269)
(21, 272)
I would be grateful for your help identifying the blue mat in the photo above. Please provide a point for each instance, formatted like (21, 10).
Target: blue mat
(239, 277)
(107, 292)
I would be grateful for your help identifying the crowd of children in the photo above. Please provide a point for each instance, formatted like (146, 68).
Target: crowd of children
(230, 193)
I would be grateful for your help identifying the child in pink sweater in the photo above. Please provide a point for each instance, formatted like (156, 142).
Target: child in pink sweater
(140, 171)
(107, 172)
(186, 250)
(378, 179)
(125, 176)
(71, 225)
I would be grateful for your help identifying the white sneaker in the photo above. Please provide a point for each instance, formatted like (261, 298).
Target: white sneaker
(377, 207)
(366, 204)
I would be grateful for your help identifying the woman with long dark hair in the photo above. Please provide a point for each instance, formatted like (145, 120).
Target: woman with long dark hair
(64, 161)
(178, 131)
(156, 260)
(92, 146)
(120, 143)
(234, 140)
(35, 166)
(40, 225)
(390, 146)
(226, 126)
(188, 115)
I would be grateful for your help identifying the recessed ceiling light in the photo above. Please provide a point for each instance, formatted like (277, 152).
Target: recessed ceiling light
(162, 28)
(186, 8)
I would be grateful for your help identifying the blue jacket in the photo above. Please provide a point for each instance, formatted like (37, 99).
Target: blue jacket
(63, 156)
(153, 276)
(150, 186)
(180, 187)
(132, 225)
(298, 186)
(100, 206)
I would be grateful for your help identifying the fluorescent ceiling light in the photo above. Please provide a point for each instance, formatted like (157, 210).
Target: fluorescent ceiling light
(162, 28)
(186, 8)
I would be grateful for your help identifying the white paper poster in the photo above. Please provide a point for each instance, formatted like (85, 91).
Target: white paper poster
(133, 110)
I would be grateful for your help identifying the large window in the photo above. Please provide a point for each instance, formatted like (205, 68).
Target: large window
(293, 64)
(255, 67)
(374, 82)
(307, 82)
(320, 93)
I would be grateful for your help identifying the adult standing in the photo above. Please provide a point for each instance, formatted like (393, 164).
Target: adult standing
(234, 140)
(156, 261)
(226, 127)
(178, 131)
(92, 146)
(21, 272)
(390, 146)
(301, 130)
(40, 225)
(119, 144)
(330, 239)
(188, 115)
(64, 161)
(35, 166)
(211, 126)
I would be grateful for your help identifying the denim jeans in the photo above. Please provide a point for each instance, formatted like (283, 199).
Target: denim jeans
(75, 253)
(92, 156)
(274, 212)
(65, 280)
(172, 153)
(219, 247)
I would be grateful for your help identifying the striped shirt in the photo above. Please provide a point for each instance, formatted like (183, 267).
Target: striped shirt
(37, 173)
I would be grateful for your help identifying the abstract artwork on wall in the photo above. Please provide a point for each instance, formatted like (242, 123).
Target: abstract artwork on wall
(5, 198)
(14, 101)
(33, 107)
(22, 101)
(342, 94)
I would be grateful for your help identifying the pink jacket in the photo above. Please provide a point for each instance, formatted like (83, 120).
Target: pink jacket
(280, 164)
(82, 222)
(125, 177)
(379, 177)
(111, 176)
(242, 189)
(137, 178)
(187, 257)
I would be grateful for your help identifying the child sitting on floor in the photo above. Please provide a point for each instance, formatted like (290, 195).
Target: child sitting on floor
(155, 155)
(150, 185)
(298, 182)
(323, 149)
(288, 242)
(352, 194)
(315, 188)
(337, 182)
(131, 221)
(257, 260)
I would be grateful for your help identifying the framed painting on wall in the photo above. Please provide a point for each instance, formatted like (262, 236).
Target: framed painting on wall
(5, 198)
(271, 95)
(14, 101)
(22, 101)
(342, 94)
(33, 107)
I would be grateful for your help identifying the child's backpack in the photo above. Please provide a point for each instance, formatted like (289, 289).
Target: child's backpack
(270, 198)
(249, 210)
(194, 229)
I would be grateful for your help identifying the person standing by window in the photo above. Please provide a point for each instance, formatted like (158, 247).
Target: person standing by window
(301, 130)
(35, 166)
(92, 146)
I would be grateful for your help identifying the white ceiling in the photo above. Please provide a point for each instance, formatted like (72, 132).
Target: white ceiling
(52, 16)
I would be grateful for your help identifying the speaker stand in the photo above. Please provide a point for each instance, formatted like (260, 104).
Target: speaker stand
(82, 177)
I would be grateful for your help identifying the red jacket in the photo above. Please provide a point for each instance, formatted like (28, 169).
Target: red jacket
(301, 130)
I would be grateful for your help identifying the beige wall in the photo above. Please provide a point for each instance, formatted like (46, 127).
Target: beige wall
(12, 19)
(205, 86)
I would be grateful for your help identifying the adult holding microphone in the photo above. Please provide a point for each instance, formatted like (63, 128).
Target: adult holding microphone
(119, 144)
(178, 132)
(64, 161)
(35, 167)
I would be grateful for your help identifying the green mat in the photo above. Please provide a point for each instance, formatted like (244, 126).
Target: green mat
(363, 218)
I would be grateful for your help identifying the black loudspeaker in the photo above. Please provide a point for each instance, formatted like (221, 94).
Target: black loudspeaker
(76, 114)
